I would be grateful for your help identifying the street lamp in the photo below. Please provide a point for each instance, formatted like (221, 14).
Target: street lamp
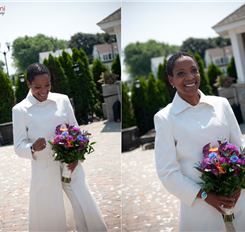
(76, 69)
(22, 80)
(137, 85)
(5, 53)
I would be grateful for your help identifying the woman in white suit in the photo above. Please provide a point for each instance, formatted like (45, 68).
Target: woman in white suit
(182, 129)
(34, 122)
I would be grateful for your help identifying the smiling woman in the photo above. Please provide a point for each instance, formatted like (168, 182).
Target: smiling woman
(191, 120)
(34, 122)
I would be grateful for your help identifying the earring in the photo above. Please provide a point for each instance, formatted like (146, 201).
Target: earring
(173, 86)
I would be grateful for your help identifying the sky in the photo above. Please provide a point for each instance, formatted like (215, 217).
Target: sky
(60, 20)
(172, 22)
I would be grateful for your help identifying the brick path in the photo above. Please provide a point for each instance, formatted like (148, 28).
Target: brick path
(102, 168)
(146, 205)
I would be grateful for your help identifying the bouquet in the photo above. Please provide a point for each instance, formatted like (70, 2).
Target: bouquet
(69, 146)
(223, 171)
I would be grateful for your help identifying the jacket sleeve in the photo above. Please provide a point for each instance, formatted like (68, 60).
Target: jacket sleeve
(22, 146)
(235, 132)
(167, 165)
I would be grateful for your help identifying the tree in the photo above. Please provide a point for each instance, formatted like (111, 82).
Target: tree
(138, 56)
(197, 46)
(116, 66)
(21, 89)
(162, 75)
(127, 111)
(204, 84)
(213, 72)
(6, 98)
(90, 91)
(231, 68)
(2, 64)
(73, 83)
(59, 81)
(137, 106)
(26, 49)
(87, 41)
(97, 69)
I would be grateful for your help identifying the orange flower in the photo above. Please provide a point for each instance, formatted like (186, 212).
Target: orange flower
(221, 170)
(70, 144)
(54, 143)
(63, 129)
(214, 149)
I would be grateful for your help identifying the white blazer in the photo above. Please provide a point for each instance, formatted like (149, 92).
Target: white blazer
(49, 207)
(181, 132)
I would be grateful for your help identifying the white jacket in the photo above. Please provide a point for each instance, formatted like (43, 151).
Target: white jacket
(49, 207)
(181, 132)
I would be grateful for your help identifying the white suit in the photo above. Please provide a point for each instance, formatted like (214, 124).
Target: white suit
(49, 208)
(182, 130)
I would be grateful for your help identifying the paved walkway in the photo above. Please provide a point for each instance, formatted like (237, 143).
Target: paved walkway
(102, 168)
(146, 205)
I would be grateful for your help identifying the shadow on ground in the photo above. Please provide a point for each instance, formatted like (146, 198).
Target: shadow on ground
(111, 126)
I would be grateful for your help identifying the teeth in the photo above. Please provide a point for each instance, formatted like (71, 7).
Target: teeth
(191, 85)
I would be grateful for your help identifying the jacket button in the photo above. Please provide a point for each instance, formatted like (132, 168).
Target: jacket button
(218, 125)
(214, 114)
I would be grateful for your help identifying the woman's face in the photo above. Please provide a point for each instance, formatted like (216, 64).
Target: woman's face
(40, 87)
(186, 78)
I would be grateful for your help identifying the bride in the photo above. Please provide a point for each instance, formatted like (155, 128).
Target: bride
(53, 206)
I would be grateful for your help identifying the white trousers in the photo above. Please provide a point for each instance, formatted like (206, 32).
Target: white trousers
(78, 212)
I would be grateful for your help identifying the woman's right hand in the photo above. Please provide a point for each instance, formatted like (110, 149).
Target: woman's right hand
(39, 144)
(217, 201)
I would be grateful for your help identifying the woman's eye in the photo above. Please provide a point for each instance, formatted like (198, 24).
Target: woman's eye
(37, 87)
(180, 73)
(194, 70)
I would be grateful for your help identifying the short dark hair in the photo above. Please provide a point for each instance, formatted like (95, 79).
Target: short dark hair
(173, 58)
(35, 70)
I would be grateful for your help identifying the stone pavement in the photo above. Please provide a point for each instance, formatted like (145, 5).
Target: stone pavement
(102, 168)
(146, 205)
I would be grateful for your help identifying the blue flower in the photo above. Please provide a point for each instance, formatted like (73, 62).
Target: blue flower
(79, 137)
(234, 159)
(64, 133)
(213, 155)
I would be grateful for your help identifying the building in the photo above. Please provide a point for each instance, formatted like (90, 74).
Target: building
(221, 57)
(112, 25)
(233, 27)
(155, 61)
(106, 53)
(54, 53)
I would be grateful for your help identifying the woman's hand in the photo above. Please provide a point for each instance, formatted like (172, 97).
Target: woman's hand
(72, 166)
(218, 201)
(236, 195)
(39, 144)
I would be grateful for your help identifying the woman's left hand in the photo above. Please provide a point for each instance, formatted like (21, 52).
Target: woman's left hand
(72, 166)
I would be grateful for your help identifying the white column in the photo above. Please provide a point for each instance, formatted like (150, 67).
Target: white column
(117, 30)
(239, 54)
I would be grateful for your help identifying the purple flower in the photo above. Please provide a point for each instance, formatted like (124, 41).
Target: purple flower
(79, 137)
(84, 140)
(71, 137)
(223, 160)
(76, 130)
(64, 133)
(234, 159)
(58, 138)
(237, 171)
(204, 162)
(69, 127)
(241, 161)
(211, 168)
(57, 129)
(213, 155)
(206, 150)
(231, 148)
(221, 146)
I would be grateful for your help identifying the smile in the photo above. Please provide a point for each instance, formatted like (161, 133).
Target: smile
(43, 95)
(190, 85)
